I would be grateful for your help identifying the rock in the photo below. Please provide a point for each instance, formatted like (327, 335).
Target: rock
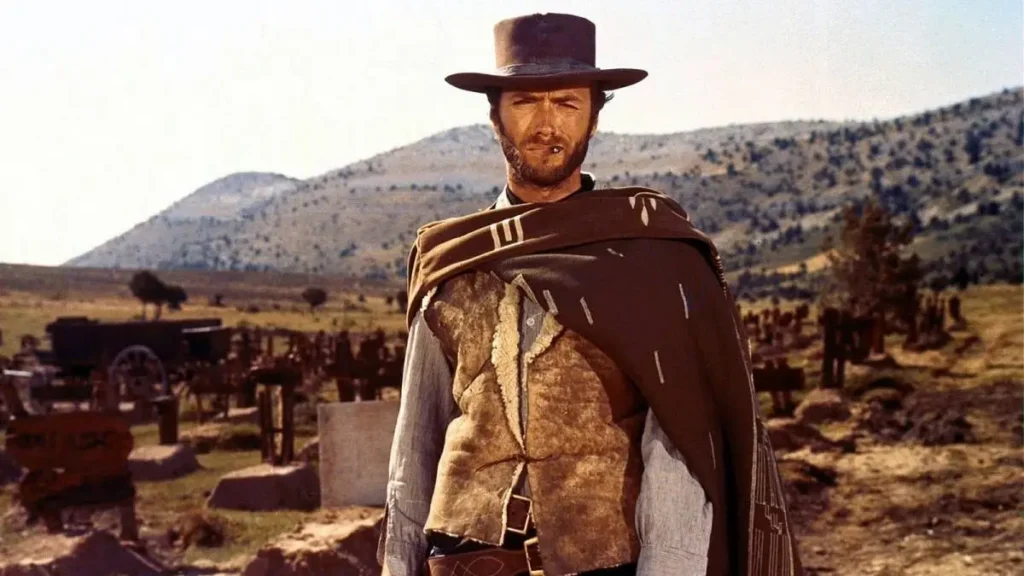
(203, 438)
(348, 548)
(267, 487)
(95, 553)
(154, 463)
(222, 436)
(822, 405)
(888, 398)
(310, 452)
(248, 415)
(788, 434)
(10, 471)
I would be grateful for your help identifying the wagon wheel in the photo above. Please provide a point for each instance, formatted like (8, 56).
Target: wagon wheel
(137, 372)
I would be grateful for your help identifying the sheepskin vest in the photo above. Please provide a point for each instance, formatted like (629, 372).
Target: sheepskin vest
(580, 446)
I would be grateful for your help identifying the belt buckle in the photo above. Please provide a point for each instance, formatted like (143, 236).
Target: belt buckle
(529, 564)
(529, 513)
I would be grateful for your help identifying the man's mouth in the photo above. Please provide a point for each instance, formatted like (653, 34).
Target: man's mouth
(550, 148)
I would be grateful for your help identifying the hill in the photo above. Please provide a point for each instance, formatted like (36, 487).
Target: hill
(767, 193)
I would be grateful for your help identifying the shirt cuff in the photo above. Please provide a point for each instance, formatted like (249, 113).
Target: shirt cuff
(662, 561)
(404, 558)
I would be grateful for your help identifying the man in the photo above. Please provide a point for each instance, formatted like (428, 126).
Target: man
(577, 395)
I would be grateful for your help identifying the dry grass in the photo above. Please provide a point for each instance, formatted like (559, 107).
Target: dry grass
(31, 297)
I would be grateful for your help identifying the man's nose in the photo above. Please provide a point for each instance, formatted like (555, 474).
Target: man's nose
(544, 121)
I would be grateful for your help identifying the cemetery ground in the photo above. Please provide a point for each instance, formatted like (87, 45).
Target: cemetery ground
(920, 472)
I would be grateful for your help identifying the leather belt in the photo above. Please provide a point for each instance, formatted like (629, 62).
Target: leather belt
(496, 560)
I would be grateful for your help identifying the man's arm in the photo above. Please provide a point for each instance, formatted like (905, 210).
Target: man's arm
(673, 515)
(426, 409)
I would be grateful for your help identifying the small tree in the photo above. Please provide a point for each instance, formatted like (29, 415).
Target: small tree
(870, 273)
(175, 297)
(148, 289)
(315, 297)
(402, 300)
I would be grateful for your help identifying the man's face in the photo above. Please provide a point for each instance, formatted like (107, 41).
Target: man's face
(545, 134)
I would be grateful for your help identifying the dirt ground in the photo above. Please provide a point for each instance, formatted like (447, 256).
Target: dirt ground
(934, 487)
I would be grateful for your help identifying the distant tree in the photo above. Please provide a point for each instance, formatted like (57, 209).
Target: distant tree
(175, 297)
(402, 300)
(148, 289)
(315, 297)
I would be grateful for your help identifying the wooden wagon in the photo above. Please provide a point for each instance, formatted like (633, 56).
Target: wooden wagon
(139, 359)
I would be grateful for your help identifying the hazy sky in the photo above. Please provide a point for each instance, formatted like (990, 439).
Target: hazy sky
(111, 111)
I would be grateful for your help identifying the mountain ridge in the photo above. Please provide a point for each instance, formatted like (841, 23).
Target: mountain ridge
(760, 190)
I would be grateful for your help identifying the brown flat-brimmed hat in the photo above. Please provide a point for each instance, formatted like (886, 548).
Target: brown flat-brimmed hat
(545, 50)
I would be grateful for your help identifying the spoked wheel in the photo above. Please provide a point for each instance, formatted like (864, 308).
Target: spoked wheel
(137, 374)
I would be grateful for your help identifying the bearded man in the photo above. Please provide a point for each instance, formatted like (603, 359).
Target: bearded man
(577, 394)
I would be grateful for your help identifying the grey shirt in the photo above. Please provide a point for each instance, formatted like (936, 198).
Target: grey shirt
(673, 515)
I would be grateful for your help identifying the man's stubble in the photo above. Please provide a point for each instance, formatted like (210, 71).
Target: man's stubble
(521, 172)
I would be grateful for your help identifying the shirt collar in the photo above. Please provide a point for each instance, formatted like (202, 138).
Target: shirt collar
(507, 198)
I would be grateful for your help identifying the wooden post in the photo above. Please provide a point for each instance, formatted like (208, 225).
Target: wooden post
(266, 422)
(167, 411)
(830, 319)
(843, 348)
(129, 522)
(879, 334)
(287, 391)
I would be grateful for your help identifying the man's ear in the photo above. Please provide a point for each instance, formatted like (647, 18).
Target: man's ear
(593, 127)
(494, 122)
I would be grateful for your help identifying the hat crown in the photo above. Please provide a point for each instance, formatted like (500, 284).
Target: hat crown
(542, 38)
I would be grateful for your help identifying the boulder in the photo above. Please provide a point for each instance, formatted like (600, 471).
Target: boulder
(822, 405)
(94, 553)
(267, 487)
(155, 463)
(348, 548)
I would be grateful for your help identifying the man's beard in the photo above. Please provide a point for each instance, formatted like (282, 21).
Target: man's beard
(543, 176)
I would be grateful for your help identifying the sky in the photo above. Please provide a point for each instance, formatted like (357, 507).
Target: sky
(112, 111)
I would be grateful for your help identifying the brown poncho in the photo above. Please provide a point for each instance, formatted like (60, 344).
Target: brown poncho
(623, 251)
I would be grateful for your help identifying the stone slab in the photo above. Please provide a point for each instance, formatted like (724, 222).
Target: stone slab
(355, 448)
(154, 463)
(267, 487)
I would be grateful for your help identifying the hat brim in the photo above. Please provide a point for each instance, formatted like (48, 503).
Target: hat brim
(611, 79)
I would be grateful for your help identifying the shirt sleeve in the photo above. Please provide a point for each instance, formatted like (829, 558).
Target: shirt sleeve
(673, 515)
(427, 407)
